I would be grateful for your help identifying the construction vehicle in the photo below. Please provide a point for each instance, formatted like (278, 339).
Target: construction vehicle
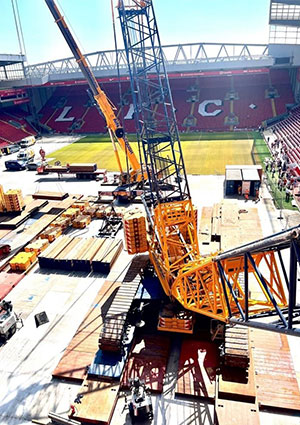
(211, 285)
(26, 155)
(12, 148)
(81, 171)
(104, 105)
(140, 404)
(27, 141)
(8, 320)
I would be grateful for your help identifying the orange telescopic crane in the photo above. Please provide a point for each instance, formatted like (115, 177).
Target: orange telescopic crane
(105, 106)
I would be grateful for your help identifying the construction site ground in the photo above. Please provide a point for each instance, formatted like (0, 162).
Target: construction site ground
(27, 390)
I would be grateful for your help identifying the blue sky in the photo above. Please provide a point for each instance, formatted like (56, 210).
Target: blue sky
(179, 21)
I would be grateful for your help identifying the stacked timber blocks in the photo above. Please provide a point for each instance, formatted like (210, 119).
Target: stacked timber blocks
(237, 347)
(2, 205)
(81, 221)
(134, 224)
(12, 200)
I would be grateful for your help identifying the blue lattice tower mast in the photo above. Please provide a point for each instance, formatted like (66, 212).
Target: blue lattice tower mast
(153, 105)
(174, 241)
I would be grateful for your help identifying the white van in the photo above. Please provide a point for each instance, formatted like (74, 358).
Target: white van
(27, 141)
(25, 155)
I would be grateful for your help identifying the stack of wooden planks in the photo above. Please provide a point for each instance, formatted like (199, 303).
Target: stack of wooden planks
(51, 233)
(107, 255)
(13, 200)
(80, 254)
(54, 196)
(81, 221)
(22, 261)
(86, 251)
(47, 257)
(2, 205)
(9, 222)
(37, 246)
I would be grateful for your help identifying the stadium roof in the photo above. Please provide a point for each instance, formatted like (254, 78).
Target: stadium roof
(6, 60)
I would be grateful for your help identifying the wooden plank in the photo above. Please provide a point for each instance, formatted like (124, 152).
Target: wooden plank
(83, 258)
(107, 255)
(104, 248)
(276, 380)
(112, 254)
(216, 223)
(47, 258)
(9, 222)
(205, 226)
(236, 412)
(73, 365)
(65, 257)
(229, 214)
(98, 400)
(3, 233)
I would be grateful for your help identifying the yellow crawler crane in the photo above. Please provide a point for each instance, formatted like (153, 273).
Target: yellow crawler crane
(209, 286)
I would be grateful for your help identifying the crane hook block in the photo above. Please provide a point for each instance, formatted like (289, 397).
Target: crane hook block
(119, 132)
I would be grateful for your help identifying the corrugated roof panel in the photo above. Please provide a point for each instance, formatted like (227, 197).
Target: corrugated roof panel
(250, 174)
(233, 175)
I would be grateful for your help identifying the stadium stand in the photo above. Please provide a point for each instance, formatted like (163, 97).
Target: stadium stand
(287, 132)
(13, 125)
(203, 103)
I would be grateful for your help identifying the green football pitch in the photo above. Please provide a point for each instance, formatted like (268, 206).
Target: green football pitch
(203, 154)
